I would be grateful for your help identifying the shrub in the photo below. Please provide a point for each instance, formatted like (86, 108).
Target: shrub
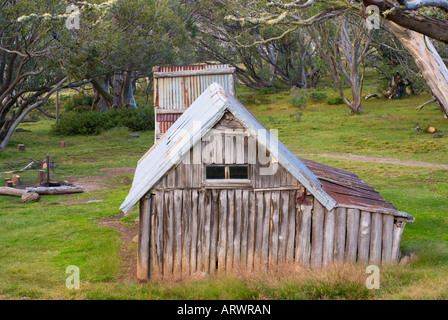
(298, 101)
(93, 122)
(335, 100)
(77, 103)
(317, 96)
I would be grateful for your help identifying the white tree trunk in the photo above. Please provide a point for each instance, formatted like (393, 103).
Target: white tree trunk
(433, 69)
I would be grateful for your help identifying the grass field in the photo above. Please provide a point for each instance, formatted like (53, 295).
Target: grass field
(39, 240)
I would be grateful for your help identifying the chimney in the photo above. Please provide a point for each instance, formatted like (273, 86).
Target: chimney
(177, 87)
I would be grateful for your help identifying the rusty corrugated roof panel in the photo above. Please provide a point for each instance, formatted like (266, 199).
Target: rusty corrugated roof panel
(350, 191)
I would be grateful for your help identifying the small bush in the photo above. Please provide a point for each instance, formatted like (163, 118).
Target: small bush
(317, 96)
(298, 101)
(335, 101)
(77, 103)
(93, 122)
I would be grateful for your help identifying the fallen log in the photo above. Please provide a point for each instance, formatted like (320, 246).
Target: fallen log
(26, 196)
(21, 170)
(56, 190)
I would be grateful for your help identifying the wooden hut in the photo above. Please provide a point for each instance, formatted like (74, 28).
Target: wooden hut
(218, 191)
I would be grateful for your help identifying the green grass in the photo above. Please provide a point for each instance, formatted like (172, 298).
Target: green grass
(39, 240)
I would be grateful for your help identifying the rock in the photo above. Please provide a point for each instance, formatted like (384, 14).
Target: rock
(437, 135)
(408, 259)
(417, 128)
(431, 130)
(133, 135)
(30, 197)
(135, 239)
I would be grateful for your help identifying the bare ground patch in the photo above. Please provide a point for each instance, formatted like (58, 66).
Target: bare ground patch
(128, 232)
(378, 159)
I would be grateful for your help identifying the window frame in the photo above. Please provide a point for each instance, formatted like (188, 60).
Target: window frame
(227, 181)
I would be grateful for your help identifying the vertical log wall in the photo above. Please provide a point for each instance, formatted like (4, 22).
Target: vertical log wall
(217, 231)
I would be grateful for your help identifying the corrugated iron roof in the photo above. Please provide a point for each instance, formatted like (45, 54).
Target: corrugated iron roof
(350, 191)
(332, 187)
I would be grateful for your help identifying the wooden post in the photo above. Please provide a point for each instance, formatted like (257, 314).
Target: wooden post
(143, 239)
(8, 182)
(15, 180)
(41, 177)
(48, 170)
(20, 147)
(397, 233)
(62, 144)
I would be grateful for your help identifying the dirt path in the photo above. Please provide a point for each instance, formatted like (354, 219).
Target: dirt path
(376, 159)
(126, 251)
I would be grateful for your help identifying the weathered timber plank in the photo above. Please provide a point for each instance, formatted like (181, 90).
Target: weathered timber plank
(376, 238)
(237, 228)
(230, 227)
(329, 230)
(239, 148)
(291, 227)
(186, 230)
(388, 231)
(259, 227)
(201, 226)
(168, 249)
(266, 227)
(195, 241)
(207, 232)
(214, 225)
(317, 235)
(252, 205)
(177, 265)
(222, 236)
(340, 234)
(273, 247)
(229, 152)
(152, 250)
(283, 232)
(352, 235)
(244, 226)
(364, 237)
(158, 241)
(143, 239)
(303, 239)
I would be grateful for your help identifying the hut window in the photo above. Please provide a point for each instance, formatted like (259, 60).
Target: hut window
(227, 172)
